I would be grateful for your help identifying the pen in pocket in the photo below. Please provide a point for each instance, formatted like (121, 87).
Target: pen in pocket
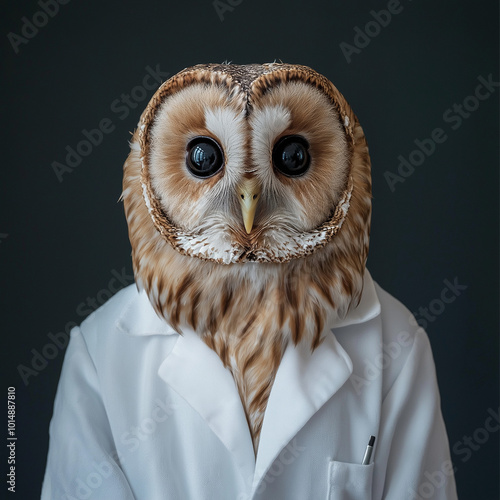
(368, 452)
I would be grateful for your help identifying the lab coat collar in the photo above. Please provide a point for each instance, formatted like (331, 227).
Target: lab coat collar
(367, 309)
(303, 383)
(140, 319)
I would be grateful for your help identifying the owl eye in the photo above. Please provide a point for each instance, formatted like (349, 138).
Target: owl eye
(291, 155)
(204, 157)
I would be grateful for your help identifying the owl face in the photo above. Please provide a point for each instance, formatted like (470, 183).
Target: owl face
(247, 177)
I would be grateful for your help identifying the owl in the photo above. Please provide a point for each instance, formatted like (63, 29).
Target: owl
(247, 193)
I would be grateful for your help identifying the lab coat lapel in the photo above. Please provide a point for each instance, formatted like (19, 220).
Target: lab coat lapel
(303, 383)
(197, 374)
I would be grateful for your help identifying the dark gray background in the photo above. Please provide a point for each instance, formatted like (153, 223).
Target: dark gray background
(60, 242)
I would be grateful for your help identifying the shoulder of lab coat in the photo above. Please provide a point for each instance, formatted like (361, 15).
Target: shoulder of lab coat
(81, 441)
(413, 442)
(411, 450)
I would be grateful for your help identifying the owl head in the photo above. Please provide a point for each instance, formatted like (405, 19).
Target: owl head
(247, 194)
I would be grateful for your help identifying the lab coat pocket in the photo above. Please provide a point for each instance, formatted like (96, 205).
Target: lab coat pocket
(349, 481)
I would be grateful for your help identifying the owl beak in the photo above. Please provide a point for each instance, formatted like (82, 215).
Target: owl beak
(249, 194)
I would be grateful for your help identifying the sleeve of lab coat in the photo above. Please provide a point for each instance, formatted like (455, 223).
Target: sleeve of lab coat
(82, 461)
(413, 442)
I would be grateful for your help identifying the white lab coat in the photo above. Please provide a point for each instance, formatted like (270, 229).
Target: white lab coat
(144, 413)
